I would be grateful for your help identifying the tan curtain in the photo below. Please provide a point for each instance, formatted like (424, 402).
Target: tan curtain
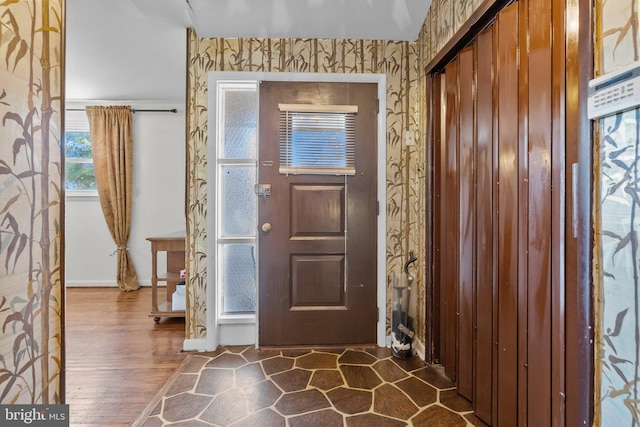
(112, 147)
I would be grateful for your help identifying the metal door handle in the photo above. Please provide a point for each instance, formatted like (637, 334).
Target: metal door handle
(266, 227)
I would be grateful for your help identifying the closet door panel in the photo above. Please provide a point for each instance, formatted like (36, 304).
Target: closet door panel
(466, 143)
(484, 208)
(523, 207)
(437, 112)
(438, 225)
(450, 221)
(539, 225)
(507, 290)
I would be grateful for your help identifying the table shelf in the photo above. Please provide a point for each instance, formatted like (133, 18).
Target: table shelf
(173, 245)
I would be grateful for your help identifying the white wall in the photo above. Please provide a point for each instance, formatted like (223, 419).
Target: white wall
(158, 200)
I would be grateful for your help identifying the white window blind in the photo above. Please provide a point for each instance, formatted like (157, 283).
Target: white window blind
(317, 139)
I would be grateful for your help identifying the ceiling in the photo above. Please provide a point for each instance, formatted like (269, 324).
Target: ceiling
(123, 50)
(351, 19)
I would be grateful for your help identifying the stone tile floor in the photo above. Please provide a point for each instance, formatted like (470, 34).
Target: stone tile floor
(242, 386)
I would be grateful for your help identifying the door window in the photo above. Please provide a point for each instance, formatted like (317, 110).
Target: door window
(317, 139)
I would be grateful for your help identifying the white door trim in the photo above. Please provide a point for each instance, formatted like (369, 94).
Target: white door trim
(247, 333)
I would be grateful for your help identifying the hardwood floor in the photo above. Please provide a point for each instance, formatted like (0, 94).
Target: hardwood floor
(117, 358)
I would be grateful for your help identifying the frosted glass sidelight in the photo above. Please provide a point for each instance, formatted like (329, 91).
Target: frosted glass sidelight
(238, 208)
(238, 278)
(236, 124)
(240, 118)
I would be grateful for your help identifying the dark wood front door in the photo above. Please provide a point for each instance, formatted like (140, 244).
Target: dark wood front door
(317, 244)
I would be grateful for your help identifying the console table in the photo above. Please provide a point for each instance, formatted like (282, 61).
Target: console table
(173, 245)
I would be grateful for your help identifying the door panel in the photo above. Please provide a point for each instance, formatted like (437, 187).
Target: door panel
(467, 226)
(317, 281)
(317, 260)
(484, 307)
(540, 213)
(318, 211)
(434, 228)
(507, 221)
(450, 229)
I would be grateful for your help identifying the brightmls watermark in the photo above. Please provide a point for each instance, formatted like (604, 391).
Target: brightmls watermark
(34, 415)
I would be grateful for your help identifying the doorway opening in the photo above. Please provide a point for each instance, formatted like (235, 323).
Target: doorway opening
(242, 328)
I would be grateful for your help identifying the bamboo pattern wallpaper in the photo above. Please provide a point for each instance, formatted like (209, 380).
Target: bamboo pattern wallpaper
(445, 17)
(31, 75)
(617, 220)
(402, 62)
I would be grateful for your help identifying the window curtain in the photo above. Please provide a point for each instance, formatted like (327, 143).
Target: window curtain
(112, 147)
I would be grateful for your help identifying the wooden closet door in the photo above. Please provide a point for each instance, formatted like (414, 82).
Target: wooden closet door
(495, 242)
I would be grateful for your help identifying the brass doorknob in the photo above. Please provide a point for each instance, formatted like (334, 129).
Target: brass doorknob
(266, 227)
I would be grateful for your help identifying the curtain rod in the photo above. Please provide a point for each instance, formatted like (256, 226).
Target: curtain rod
(133, 110)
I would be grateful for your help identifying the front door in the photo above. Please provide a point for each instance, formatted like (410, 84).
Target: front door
(317, 233)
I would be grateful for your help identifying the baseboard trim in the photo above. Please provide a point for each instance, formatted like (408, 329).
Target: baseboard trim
(419, 348)
(198, 344)
(99, 283)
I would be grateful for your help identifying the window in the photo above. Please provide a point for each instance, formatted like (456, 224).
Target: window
(317, 139)
(79, 172)
(236, 213)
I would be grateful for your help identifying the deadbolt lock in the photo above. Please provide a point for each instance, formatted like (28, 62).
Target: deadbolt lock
(263, 189)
